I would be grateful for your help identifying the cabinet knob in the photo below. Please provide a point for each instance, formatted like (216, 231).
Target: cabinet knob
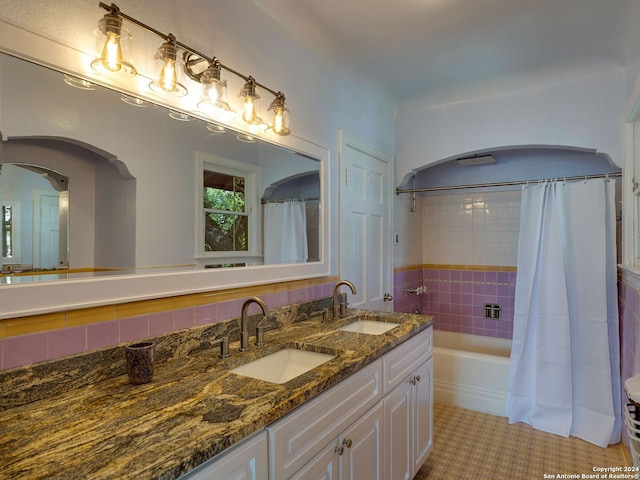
(387, 297)
(417, 378)
(339, 450)
(347, 442)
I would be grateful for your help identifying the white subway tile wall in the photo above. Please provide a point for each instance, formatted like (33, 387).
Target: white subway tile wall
(479, 228)
(407, 250)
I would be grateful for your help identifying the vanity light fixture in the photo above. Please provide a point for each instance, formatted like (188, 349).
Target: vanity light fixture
(135, 101)
(245, 138)
(174, 58)
(182, 117)
(250, 98)
(280, 115)
(169, 71)
(212, 88)
(76, 82)
(114, 41)
(212, 127)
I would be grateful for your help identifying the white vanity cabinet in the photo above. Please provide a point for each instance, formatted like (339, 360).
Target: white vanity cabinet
(308, 442)
(355, 454)
(248, 460)
(374, 425)
(408, 406)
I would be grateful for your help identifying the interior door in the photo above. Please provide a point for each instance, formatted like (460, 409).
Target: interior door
(365, 223)
(47, 226)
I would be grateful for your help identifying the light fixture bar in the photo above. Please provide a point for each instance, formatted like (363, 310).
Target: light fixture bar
(115, 10)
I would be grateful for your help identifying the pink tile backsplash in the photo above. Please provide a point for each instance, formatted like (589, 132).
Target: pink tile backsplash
(229, 309)
(67, 341)
(134, 328)
(161, 323)
(184, 318)
(26, 349)
(104, 334)
(205, 314)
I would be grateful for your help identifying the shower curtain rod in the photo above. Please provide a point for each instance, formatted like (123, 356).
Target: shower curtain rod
(306, 199)
(504, 184)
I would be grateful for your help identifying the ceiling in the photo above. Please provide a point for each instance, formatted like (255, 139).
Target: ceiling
(419, 47)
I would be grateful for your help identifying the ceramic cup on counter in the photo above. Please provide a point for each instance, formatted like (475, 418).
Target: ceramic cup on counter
(140, 362)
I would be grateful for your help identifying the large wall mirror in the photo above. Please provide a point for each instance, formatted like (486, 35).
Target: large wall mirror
(102, 187)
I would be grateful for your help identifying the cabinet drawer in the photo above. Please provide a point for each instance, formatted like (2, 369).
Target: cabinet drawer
(296, 438)
(405, 358)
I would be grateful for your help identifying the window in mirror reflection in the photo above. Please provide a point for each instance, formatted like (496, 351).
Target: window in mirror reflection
(226, 219)
(229, 223)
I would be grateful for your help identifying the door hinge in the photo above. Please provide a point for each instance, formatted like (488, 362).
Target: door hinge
(346, 176)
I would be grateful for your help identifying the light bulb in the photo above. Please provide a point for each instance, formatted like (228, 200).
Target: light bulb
(249, 110)
(111, 36)
(112, 52)
(250, 97)
(211, 91)
(168, 78)
(278, 121)
(280, 114)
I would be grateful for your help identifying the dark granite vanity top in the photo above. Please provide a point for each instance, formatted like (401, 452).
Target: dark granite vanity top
(192, 410)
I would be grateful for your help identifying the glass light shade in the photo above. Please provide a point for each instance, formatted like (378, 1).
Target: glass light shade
(212, 90)
(212, 127)
(113, 43)
(280, 116)
(250, 103)
(78, 82)
(168, 71)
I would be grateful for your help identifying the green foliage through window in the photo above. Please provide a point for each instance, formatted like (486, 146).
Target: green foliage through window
(226, 221)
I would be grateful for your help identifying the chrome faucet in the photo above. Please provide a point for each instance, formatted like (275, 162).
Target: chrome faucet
(340, 308)
(244, 328)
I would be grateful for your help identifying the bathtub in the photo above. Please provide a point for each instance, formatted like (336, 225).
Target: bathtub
(471, 371)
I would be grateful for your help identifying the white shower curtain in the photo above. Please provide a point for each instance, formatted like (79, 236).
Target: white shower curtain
(285, 233)
(564, 372)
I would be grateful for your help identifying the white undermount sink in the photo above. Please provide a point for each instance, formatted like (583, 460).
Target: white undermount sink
(283, 365)
(369, 327)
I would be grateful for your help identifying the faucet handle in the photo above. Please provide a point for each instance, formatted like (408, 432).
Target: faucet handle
(224, 346)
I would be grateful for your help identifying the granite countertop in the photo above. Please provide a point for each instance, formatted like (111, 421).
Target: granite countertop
(192, 410)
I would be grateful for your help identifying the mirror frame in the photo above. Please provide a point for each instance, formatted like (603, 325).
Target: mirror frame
(22, 299)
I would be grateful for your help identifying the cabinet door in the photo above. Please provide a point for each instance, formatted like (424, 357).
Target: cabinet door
(361, 457)
(248, 460)
(325, 466)
(299, 436)
(423, 414)
(398, 408)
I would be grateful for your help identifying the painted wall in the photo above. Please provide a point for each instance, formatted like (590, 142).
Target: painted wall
(573, 110)
(322, 94)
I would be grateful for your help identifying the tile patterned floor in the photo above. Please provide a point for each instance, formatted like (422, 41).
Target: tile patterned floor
(470, 445)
